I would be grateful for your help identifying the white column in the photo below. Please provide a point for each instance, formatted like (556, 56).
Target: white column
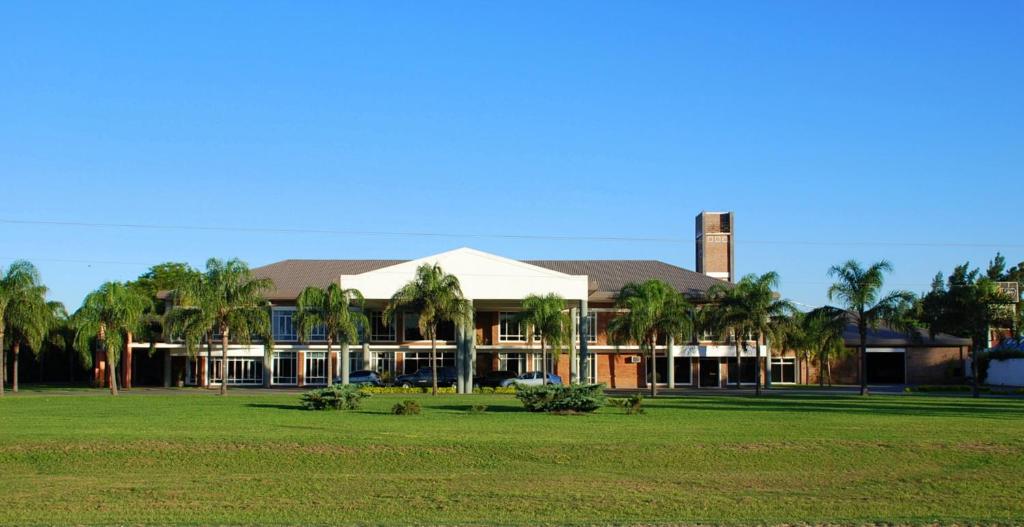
(671, 361)
(574, 371)
(345, 362)
(584, 354)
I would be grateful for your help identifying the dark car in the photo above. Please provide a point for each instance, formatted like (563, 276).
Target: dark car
(422, 378)
(493, 379)
(363, 378)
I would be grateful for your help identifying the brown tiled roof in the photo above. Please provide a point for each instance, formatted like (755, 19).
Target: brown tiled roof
(606, 276)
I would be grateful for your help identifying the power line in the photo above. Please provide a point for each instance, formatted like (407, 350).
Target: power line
(505, 236)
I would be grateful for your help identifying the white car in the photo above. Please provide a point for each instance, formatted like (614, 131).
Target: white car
(531, 378)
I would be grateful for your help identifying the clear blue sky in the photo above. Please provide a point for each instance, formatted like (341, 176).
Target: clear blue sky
(828, 121)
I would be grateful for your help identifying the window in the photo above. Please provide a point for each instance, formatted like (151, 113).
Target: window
(381, 362)
(318, 333)
(411, 327)
(784, 371)
(281, 321)
(682, 370)
(535, 362)
(509, 329)
(746, 373)
(591, 370)
(241, 370)
(379, 332)
(591, 325)
(416, 360)
(316, 367)
(515, 362)
(285, 368)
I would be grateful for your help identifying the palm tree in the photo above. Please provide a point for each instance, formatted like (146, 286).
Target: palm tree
(787, 334)
(107, 316)
(756, 306)
(228, 300)
(860, 291)
(437, 296)
(545, 316)
(16, 283)
(192, 315)
(724, 316)
(653, 309)
(822, 330)
(331, 309)
(28, 323)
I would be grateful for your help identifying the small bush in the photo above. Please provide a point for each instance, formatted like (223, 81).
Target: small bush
(478, 409)
(384, 390)
(632, 404)
(561, 398)
(336, 397)
(406, 407)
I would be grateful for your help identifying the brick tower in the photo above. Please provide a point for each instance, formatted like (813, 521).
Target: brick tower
(716, 256)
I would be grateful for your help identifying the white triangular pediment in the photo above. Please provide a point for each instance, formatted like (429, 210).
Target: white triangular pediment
(483, 276)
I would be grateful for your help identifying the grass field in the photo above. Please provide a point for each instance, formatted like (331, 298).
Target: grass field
(259, 459)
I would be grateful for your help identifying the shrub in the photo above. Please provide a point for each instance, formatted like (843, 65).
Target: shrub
(406, 407)
(478, 409)
(561, 398)
(336, 397)
(383, 390)
(632, 404)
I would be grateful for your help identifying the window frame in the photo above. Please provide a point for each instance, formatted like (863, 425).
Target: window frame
(507, 318)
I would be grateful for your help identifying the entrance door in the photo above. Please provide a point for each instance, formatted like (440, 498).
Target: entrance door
(886, 368)
(709, 373)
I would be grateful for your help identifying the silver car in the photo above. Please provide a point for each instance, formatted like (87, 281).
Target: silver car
(531, 378)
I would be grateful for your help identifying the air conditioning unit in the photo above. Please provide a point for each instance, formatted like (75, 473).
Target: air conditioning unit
(633, 359)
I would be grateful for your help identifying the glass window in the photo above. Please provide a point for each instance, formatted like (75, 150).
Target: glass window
(746, 373)
(241, 370)
(591, 370)
(535, 362)
(379, 332)
(509, 329)
(591, 327)
(412, 327)
(285, 368)
(381, 362)
(514, 362)
(784, 370)
(413, 361)
(316, 367)
(319, 333)
(283, 328)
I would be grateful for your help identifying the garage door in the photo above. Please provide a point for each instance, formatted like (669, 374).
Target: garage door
(886, 366)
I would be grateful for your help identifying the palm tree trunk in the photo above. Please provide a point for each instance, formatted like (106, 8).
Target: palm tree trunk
(433, 362)
(828, 369)
(126, 363)
(330, 365)
(822, 359)
(111, 374)
(737, 364)
(757, 366)
(223, 361)
(15, 348)
(863, 360)
(543, 360)
(654, 368)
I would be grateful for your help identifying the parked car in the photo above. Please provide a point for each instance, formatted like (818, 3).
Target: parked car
(493, 379)
(422, 378)
(363, 378)
(531, 378)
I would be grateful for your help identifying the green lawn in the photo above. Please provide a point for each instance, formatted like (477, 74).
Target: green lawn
(259, 459)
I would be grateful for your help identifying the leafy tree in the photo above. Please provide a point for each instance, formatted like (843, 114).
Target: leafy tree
(331, 309)
(860, 291)
(545, 315)
(437, 297)
(653, 309)
(106, 317)
(226, 300)
(967, 305)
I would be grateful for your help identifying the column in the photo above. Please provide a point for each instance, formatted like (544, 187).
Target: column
(167, 368)
(470, 354)
(460, 358)
(366, 356)
(671, 361)
(574, 371)
(268, 365)
(126, 364)
(300, 368)
(346, 363)
(584, 355)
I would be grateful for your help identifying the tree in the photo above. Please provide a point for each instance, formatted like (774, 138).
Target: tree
(27, 323)
(545, 315)
(331, 309)
(860, 291)
(226, 300)
(17, 283)
(107, 316)
(724, 316)
(437, 296)
(967, 305)
(822, 330)
(653, 309)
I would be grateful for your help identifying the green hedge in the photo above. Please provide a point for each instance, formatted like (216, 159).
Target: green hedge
(562, 398)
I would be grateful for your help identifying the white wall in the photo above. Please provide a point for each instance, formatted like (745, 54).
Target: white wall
(1009, 372)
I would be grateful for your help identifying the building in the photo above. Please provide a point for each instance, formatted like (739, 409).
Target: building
(496, 286)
